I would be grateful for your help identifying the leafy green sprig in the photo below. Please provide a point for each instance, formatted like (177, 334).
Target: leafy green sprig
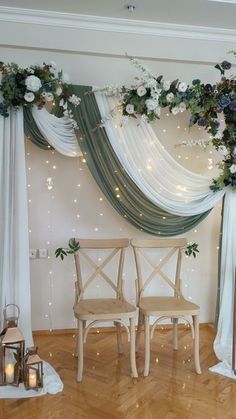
(73, 247)
(191, 249)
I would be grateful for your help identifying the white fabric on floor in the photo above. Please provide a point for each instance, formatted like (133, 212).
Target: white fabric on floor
(58, 132)
(223, 340)
(14, 242)
(163, 180)
(52, 384)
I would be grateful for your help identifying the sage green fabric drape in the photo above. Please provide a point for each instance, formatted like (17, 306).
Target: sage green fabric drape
(32, 131)
(112, 179)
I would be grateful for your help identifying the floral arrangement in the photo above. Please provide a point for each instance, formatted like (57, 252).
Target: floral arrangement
(35, 85)
(204, 101)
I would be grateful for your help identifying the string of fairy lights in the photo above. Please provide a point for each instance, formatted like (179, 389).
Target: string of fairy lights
(100, 215)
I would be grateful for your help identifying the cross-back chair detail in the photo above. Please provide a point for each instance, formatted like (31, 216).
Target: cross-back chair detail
(164, 307)
(102, 309)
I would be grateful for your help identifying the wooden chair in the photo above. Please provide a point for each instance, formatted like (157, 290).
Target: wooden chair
(103, 309)
(164, 307)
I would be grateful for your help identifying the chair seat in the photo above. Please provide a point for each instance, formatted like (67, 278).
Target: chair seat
(103, 309)
(167, 306)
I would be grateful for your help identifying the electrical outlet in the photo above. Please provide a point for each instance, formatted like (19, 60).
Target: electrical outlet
(43, 253)
(33, 253)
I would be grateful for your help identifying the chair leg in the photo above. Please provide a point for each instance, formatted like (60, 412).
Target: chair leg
(139, 329)
(77, 340)
(175, 333)
(147, 346)
(80, 352)
(196, 344)
(132, 349)
(119, 337)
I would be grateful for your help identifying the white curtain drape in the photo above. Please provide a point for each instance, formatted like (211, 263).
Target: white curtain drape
(164, 181)
(58, 132)
(14, 243)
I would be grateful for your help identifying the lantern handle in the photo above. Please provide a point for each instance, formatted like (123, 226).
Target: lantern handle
(10, 305)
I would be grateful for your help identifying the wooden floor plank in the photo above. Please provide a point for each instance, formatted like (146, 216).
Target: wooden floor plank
(172, 390)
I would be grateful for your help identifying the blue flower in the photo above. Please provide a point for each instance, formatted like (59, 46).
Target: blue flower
(232, 105)
(196, 82)
(202, 122)
(224, 101)
(226, 65)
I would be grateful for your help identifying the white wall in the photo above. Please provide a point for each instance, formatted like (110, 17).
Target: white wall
(70, 210)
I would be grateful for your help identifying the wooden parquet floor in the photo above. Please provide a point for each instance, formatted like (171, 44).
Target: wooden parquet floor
(172, 390)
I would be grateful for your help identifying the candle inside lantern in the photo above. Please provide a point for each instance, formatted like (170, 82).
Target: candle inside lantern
(9, 371)
(32, 379)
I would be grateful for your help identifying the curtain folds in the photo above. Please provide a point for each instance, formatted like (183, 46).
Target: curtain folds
(156, 173)
(124, 195)
(32, 131)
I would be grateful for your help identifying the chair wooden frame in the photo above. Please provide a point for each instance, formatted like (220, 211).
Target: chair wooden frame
(97, 310)
(173, 308)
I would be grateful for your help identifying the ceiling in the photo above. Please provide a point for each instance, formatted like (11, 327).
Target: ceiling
(208, 13)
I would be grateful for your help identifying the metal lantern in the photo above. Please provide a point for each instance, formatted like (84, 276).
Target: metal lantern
(12, 346)
(33, 369)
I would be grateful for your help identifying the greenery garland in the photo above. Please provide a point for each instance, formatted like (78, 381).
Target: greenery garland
(35, 86)
(205, 102)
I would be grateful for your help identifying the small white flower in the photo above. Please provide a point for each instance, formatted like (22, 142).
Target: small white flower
(49, 97)
(151, 104)
(33, 83)
(218, 135)
(223, 150)
(65, 78)
(29, 97)
(129, 108)
(58, 91)
(43, 94)
(157, 111)
(175, 110)
(182, 87)
(151, 83)
(170, 97)
(75, 100)
(61, 103)
(182, 107)
(233, 168)
(166, 85)
(30, 70)
(141, 91)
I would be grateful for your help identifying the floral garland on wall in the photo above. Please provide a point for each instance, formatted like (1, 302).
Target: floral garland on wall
(35, 86)
(205, 102)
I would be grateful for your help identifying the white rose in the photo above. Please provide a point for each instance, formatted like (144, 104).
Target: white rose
(151, 104)
(65, 78)
(59, 91)
(129, 108)
(151, 83)
(223, 150)
(166, 85)
(170, 97)
(182, 87)
(182, 107)
(141, 91)
(49, 97)
(233, 168)
(175, 110)
(33, 83)
(29, 97)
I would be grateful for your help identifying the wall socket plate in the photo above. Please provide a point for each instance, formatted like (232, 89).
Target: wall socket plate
(43, 253)
(33, 253)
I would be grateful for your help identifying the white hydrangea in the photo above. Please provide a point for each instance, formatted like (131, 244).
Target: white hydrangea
(141, 91)
(182, 107)
(151, 104)
(151, 83)
(182, 87)
(157, 111)
(223, 150)
(75, 100)
(29, 97)
(170, 97)
(233, 168)
(33, 83)
(175, 110)
(218, 135)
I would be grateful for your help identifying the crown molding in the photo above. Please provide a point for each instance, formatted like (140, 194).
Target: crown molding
(109, 24)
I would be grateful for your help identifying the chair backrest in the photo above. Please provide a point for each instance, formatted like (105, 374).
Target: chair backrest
(116, 247)
(174, 248)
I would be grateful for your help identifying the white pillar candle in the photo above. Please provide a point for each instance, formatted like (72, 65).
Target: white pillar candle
(9, 371)
(32, 379)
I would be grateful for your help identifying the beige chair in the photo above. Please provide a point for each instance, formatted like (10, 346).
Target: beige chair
(97, 310)
(164, 307)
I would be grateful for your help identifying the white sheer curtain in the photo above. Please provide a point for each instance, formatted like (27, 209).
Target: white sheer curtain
(179, 192)
(14, 243)
(164, 181)
(58, 132)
